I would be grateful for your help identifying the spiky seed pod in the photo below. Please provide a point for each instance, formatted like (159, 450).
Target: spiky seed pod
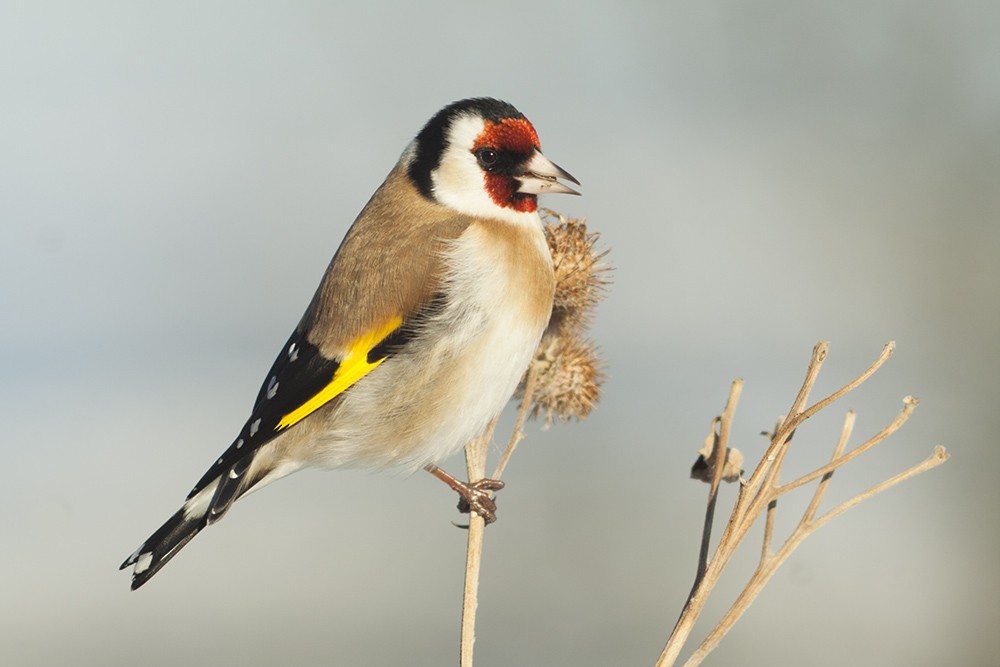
(567, 369)
(568, 379)
(579, 270)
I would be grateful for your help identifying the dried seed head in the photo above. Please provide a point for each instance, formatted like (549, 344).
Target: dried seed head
(580, 271)
(566, 372)
(567, 379)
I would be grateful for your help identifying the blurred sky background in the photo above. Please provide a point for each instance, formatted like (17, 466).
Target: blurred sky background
(174, 178)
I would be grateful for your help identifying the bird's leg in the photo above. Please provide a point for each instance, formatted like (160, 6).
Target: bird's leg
(474, 496)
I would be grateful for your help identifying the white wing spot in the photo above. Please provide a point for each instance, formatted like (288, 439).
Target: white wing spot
(272, 387)
(254, 427)
(219, 462)
(232, 474)
(293, 352)
(239, 443)
(143, 563)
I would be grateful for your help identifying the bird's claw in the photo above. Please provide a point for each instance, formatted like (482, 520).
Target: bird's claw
(476, 497)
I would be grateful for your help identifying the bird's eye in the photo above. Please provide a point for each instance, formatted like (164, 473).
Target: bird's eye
(487, 157)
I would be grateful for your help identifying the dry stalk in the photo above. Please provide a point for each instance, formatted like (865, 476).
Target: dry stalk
(531, 378)
(759, 495)
(475, 463)
(717, 466)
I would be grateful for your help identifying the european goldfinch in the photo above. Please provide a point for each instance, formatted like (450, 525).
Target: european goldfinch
(420, 329)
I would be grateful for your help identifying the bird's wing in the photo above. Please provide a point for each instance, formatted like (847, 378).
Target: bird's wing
(397, 276)
(300, 381)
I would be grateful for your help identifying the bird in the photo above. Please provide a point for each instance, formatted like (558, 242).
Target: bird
(420, 329)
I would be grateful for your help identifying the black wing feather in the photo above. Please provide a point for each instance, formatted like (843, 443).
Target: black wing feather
(298, 373)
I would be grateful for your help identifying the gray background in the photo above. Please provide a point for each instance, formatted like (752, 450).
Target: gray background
(175, 177)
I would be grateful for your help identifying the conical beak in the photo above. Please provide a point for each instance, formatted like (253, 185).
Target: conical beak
(540, 174)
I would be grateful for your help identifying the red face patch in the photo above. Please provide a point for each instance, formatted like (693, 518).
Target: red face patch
(516, 135)
(510, 135)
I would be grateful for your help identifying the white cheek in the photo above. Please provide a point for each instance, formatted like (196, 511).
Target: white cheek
(459, 183)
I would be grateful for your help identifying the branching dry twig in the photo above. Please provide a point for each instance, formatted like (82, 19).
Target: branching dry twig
(759, 495)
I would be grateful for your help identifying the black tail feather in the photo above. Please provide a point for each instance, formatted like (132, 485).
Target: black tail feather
(162, 545)
(202, 508)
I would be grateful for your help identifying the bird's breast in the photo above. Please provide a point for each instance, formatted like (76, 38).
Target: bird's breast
(426, 402)
(499, 275)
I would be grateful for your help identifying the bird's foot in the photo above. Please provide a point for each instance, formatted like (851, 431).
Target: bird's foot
(477, 497)
(474, 497)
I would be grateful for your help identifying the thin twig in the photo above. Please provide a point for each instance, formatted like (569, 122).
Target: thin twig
(695, 601)
(713, 492)
(939, 456)
(765, 547)
(782, 432)
(887, 351)
(785, 431)
(909, 405)
(717, 460)
(470, 597)
(475, 463)
(845, 434)
(518, 433)
(820, 350)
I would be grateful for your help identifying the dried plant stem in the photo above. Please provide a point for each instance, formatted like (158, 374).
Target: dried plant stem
(720, 431)
(939, 456)
(845, 434)
(771, 564)
(475, 463)
(750, 500)
(470, 598)
(531, 379)
(759, 495)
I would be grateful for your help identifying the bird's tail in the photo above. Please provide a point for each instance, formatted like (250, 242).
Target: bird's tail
(171, 537)
(209, 501)
(162, 545)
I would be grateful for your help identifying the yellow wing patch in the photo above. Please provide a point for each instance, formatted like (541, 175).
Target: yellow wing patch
(352, 368)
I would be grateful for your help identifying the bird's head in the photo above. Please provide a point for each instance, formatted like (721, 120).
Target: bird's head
(482, 157)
